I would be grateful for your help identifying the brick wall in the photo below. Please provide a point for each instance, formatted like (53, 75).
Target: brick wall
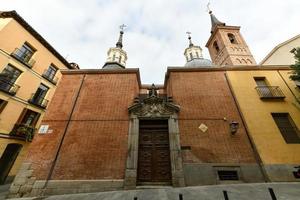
(204, 97)
(95, 143)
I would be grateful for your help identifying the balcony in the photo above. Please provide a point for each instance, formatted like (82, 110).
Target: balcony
(7, 86)
(269, 92)
(52, 79)
(23, 131)
(23, 57)
(40, 102)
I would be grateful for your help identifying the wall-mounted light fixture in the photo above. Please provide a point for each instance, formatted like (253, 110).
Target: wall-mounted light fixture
(233, 127)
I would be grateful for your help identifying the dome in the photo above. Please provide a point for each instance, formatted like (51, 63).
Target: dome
(200, 62)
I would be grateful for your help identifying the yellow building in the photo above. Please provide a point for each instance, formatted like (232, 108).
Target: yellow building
(268, 100)
(29, 73)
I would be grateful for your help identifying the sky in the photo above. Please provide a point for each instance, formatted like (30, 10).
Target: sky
(155, 37)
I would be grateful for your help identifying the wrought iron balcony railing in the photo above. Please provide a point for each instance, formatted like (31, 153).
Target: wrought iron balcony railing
(52, 79)
(38, 101)
(23, 131)
(269, 92)
(24, 57)
(8, 87)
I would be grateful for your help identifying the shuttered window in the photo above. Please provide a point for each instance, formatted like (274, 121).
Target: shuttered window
(287, 127)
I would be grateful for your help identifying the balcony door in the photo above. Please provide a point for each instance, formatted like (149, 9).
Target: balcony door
(8, 77)
(40, 94)
(7, 160)
(29, 117)
(263, 86)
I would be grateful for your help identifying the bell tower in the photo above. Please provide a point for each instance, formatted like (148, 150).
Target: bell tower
(116, 56)
(226, 45)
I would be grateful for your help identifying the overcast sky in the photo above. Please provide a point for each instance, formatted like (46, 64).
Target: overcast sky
(83, 31)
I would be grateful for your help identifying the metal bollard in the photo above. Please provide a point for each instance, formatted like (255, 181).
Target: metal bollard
(180, 197)
(272, 194)
(225, 195)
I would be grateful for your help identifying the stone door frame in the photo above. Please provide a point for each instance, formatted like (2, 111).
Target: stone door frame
(153, 108)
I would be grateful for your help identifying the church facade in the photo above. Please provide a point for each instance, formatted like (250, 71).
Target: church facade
(219, 122)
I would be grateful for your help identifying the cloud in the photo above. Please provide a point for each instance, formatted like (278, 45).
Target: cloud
(155, 38)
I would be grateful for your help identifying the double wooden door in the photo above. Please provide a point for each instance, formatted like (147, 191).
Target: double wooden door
(154, 166)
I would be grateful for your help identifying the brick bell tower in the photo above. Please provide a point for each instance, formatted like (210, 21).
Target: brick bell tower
(227, 46)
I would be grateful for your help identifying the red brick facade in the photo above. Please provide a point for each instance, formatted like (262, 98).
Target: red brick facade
(205, 97)
(95, 142)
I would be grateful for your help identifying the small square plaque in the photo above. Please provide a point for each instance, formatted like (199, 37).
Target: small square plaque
(43, 129)
(203, 127)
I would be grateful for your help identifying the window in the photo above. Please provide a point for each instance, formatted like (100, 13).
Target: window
(287, 127)
(263, 86)
(197, 54)
(50, 73)
(26, 52)
(2, 105)
(11, 73)
(228, 175)
(231, 38)
(29, 118)
(7, 79)
(216, 46)
(191, 55)
(114, 57)
(266, 91)
(120, 59)
(38, 98)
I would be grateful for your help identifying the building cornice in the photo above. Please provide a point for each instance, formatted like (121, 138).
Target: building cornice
(13, 14)
(225, 68)
(105, 71)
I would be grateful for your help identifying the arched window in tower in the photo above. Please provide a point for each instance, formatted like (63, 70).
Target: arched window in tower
(114, 57)
(120, 59)
(216, 46)
(191, 55)
(232, 38)
(197, 54)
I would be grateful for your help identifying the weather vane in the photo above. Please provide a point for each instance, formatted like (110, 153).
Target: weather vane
(122, 27)
(208, 8)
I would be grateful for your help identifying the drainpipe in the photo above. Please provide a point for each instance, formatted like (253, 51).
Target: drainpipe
(64, 134)
(256, 154)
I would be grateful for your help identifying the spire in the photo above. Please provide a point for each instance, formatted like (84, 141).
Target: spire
(190, 39)
(116, 56)
(119, 44)
(193, 55)
(214, 20)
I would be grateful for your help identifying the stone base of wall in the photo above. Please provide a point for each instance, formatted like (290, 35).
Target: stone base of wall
(281, 173)
(206, 173)
(23, 182)
(58, 187)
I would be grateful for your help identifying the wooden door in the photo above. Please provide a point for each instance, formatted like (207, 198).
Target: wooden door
(154, 164)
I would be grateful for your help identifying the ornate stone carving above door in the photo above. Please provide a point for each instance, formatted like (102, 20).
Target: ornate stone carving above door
(153, 107)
